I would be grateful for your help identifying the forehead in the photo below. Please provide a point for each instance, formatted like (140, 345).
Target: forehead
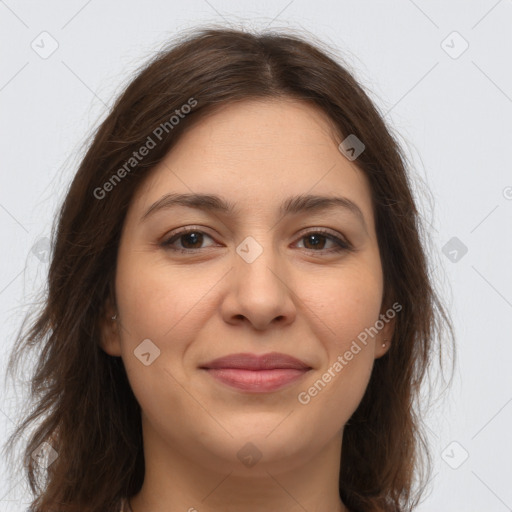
(258, 153)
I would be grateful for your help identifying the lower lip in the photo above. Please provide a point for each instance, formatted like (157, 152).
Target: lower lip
(257, 381)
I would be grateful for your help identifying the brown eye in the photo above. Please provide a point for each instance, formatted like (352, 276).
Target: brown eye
(316, 241)
(190, 240)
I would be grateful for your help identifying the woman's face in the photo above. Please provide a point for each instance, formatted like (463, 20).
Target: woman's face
(266, 277)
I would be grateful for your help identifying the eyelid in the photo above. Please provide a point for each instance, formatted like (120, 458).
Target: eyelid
(192, 228)
(324, 231)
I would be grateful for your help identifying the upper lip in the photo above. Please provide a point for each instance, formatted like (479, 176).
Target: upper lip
(246, 361)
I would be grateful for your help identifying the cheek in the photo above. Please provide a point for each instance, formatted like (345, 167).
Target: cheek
(337, 388)
(345, 308)
(156, 301)
(169, 307)
(344, 304)
(155, 305)
(335, 393)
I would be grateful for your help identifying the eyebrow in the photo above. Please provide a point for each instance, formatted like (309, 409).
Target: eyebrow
(305, 203)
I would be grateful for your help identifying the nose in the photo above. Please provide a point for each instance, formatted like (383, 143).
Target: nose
(259, 292)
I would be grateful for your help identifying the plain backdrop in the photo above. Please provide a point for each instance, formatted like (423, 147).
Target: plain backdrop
(440, 72)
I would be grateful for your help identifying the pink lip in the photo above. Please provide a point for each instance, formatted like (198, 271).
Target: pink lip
(258, 374)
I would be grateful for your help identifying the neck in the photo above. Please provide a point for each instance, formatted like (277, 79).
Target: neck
(176, 480)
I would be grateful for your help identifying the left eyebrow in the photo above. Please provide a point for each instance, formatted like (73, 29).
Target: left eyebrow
(291, 206)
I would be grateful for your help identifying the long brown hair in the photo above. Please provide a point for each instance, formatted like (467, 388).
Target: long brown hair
(82, 400)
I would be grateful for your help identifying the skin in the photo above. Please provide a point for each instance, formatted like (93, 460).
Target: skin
(202, 305)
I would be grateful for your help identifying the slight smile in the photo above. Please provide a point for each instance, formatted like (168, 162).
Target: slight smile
(257, 373)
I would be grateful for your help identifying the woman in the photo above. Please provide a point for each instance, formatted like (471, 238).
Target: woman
(239, 314)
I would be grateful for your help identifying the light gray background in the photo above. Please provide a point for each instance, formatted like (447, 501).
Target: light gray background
(453, 113)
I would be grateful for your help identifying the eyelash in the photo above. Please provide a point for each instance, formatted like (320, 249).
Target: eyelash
(341, 245)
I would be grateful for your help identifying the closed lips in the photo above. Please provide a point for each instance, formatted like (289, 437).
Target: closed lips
(246, 361)
(252, 373)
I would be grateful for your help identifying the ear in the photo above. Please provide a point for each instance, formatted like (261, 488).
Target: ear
(385, 336)
(109, 328)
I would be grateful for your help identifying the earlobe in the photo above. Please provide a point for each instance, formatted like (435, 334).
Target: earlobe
(383, 349)
(109, 331)
(383, 342)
